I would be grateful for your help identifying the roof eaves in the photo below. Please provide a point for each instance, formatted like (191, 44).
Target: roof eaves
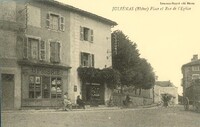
(77, 10)
(197, 62)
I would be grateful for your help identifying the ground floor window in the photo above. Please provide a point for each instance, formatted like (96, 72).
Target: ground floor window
(45, 87)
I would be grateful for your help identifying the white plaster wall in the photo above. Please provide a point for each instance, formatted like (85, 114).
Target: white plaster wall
(99, 47)
(162, 90)
(8, 10)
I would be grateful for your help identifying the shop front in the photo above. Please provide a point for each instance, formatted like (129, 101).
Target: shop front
(43, 86)
(93, 93)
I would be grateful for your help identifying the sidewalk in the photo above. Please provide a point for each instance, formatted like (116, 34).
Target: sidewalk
(88, 108)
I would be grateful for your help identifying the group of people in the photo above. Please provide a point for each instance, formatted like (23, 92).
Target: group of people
(68, 104)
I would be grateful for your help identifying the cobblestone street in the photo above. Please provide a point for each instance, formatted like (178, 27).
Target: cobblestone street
(141, 117)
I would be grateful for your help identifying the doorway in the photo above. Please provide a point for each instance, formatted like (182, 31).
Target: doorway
(7, 91)
(93, 93)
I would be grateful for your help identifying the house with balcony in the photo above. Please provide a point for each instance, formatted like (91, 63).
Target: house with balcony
(43, 44)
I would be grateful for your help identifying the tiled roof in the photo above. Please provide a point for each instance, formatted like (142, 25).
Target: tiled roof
(164, 84)
(196, 62)
(80, 11)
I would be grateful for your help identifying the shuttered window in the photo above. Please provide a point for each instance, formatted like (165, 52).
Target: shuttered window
(34, 49)
(87, 60)
(86, 34)
(55, 22)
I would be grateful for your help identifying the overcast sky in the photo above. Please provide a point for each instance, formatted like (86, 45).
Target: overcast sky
(166, 38)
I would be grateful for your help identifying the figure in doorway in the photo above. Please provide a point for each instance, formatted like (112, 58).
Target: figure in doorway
(80, 102)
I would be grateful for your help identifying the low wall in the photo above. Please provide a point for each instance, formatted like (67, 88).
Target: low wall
(136, 101)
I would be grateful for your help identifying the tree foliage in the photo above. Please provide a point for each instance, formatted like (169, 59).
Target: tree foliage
(135, 71)
(94, 75)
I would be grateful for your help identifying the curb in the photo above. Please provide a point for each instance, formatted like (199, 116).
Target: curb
(76, 110)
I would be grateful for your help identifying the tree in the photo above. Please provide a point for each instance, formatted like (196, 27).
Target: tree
(135, 71)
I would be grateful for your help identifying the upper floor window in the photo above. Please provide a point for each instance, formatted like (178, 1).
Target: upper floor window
(87, 60)
(34, 48)
(195, 68)
(86, 34)
(195, 76)
(55, 51)
(55, 22)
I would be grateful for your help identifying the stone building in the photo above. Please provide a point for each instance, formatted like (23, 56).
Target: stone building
(42, 45)
(191, 73)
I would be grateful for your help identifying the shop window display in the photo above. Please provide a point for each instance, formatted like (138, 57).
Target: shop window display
(56, 91)
(45, 87)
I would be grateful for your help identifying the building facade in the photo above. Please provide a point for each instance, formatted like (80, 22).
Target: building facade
(44, 42)
(165, 87)
(191, 73)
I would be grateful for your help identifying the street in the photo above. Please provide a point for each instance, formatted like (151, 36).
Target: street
(142, 117)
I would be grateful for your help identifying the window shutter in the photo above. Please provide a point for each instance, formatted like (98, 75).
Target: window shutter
(91, 36)
(81, 33)
(52, 51)
(58, 52)
(62, 23)
(48, 20)
(25, 47)
(92, 60)
(42, 50)
(81, 59)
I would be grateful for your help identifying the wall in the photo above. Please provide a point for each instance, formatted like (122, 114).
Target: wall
(162, 90)
(47, 34)
(99, 47)
(8, 57)
(8, 10)
(136, 101)
(187, 77)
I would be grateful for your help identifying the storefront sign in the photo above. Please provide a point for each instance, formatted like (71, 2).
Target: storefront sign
(46, 71)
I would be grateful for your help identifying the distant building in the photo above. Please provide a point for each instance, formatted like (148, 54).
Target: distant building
(43, 42)
(165, 87)
(191, 73)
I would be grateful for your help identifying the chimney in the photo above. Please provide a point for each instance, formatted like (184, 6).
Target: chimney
(195, 57)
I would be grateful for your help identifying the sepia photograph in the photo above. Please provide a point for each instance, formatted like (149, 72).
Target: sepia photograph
(99, 63)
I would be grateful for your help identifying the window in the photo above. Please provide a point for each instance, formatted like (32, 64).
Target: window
(55, 22)
(34, 48)
(195, 76)
(87, 60)
(45, 87)
(86, 34)
(55, 51)
(56, 91)
(195, 68)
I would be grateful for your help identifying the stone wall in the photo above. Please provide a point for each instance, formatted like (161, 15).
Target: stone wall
(136, 101)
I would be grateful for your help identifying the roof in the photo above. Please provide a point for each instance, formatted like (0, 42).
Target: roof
(164, 84)
(80, 11)
(196, 62)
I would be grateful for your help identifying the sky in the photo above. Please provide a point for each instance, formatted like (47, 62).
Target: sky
(167, 38)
